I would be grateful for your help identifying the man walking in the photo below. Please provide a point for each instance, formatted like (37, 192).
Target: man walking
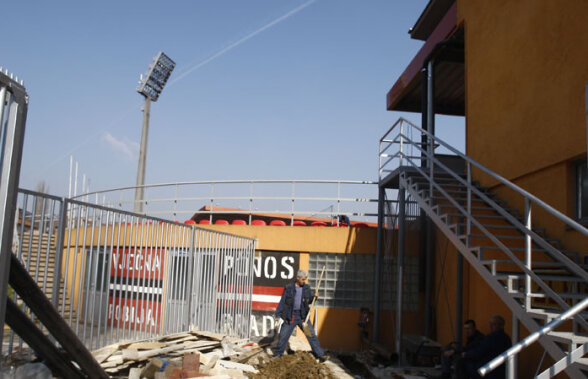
(293, 308)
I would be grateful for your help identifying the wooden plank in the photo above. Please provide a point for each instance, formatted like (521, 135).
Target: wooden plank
(173, 336)
(146, 345)
(34, 297)
(182, 339)
(154, 366)
(210, 335)
(246, 356)
(25, 328)
(238, 366)
(136, 355)
(135, 373)
(104, 353)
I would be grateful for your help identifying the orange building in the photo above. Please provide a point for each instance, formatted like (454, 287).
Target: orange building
(503, 233)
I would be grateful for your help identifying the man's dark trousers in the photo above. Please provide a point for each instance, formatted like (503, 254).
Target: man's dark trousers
(287, 330)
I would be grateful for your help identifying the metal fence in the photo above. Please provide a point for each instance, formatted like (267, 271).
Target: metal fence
(115, 275)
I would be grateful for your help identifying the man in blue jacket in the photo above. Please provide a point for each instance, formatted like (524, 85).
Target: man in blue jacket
(293, 308)
(491, 346)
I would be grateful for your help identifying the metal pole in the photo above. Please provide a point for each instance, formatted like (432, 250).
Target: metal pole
(430, 122)
(400, 261)
(428, 275)
(138, 208)
(12, 145)
(379, 249)
(512, 363)
(459, 299)
(528, 253)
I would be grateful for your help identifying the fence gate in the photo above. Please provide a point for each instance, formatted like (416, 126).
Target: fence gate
(13, 111)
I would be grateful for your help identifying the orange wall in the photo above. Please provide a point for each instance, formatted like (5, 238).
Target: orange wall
(526, 74)
(306, 238)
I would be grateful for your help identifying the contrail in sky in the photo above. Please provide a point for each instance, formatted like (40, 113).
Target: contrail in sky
(191, 69)
(240, 41)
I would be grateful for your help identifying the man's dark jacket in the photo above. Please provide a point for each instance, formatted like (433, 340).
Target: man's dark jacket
(285, 309)
(473, 341)
(491, 346)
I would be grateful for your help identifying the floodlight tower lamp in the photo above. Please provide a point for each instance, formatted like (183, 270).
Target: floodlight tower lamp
(150, 87)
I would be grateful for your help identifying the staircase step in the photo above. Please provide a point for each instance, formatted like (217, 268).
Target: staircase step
(552, 241)
(568, 337)
(550, 314)
(543, 276)
(541, 264)
(539, 295)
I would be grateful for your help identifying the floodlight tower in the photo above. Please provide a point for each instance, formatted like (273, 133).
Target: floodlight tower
(150, 87)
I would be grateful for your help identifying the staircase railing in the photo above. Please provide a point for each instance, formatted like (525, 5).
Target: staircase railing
(400, 153)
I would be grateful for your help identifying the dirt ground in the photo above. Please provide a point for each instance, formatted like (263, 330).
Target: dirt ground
(300, 365)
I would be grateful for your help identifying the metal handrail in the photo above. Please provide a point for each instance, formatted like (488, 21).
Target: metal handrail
(528, 197)
(578, 227)
(531, 338)
(182, 195)
(244, 181)
(554, 295)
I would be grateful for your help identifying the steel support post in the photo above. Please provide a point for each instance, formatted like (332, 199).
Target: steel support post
(424, 117)
(428, 275)
(379, 252)
(140, 190)
(430, 123)
(459, 299)
(400, 269)
(512, 364)
(528, 253)
(12, 126)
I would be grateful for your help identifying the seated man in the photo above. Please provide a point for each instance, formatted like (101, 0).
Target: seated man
(452, 354)
(491, 346)
(293, 308)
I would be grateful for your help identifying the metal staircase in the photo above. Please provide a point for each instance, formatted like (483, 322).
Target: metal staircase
(531, 273)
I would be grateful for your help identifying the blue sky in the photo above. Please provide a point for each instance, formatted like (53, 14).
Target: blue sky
(301, 99)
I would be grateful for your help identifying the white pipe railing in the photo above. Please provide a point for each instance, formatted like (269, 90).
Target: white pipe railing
(351, 198)
(533, 337)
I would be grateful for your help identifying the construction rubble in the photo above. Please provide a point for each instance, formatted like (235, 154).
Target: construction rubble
(203, 354)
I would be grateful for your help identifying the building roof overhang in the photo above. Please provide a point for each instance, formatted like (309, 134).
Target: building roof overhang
(429, 19)
(445, 46)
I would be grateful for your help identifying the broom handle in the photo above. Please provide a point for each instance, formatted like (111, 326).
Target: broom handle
(314, 300)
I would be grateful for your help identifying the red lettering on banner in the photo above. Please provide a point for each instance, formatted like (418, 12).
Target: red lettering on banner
(136, 288)
(135, 313)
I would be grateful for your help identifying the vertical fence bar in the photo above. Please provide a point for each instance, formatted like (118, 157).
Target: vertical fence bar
(292, 207)
(117, 280)
(59, 253)
(107, 277)
(401, 143)
(87, 272)
(250, 202)
(184, 279)
(190, 270)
